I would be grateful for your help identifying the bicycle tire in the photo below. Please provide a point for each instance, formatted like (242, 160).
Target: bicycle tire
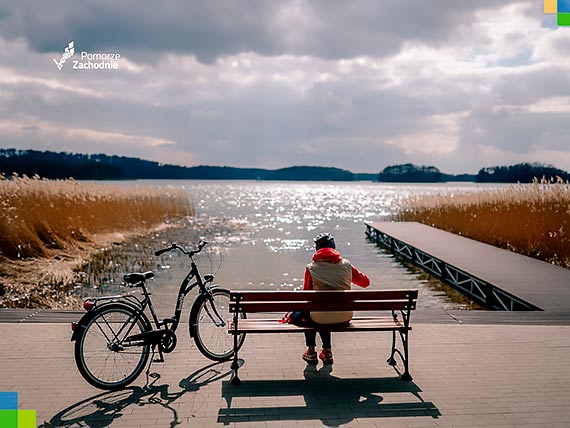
(214, 342)
(100, 357)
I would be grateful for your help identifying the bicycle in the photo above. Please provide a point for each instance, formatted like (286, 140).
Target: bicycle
(114, 339)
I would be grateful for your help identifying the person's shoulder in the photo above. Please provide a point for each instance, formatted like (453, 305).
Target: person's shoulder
(346, 262)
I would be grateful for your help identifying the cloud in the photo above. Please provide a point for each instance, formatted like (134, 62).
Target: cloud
(331, 29)
(357, 85)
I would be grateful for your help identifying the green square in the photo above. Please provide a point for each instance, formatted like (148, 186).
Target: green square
(9, 418)
(27, 419)
(564, 19)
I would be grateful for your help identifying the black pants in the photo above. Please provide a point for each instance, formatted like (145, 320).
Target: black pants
(311, 338)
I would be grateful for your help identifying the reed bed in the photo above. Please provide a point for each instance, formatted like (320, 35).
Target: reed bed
(50, 229)
(40, 217)
(530, 219)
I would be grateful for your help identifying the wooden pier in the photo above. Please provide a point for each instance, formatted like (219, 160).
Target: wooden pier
(496, 278)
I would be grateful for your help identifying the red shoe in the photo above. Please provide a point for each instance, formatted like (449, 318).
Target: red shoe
(326, 356)
(310, 357)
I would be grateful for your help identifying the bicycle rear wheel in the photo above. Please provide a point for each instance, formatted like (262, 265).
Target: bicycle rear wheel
(103, 356)
(212, 339)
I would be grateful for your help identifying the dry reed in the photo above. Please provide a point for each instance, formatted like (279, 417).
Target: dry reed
(530, 219)
(39, 217)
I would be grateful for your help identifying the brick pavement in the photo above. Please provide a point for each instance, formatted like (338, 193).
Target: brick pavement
(464, 376)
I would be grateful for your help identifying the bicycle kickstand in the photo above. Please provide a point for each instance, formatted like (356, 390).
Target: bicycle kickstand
(160, 359)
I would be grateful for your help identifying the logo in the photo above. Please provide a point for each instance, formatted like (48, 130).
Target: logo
(10, 416)
(88, 60)
(562, 10)
(67, 53)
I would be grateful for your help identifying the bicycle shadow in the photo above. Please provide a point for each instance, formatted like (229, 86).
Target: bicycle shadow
(333, 400)
(106, 408)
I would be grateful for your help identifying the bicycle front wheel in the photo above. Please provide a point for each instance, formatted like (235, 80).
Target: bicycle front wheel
(104, 356)
(211, 335)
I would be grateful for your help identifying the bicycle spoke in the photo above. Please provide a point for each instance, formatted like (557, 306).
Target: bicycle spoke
(120, 330)
(102, 358)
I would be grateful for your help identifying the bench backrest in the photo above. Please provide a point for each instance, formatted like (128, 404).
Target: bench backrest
(341, 300)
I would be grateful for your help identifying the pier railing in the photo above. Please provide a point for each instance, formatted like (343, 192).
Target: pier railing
(475, 288)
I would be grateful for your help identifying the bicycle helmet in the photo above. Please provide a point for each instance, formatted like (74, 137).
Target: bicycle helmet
(324, 240)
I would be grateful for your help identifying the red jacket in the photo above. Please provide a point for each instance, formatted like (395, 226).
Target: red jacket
(333, 256)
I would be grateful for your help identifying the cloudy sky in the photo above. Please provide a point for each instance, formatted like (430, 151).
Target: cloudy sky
(357, 84)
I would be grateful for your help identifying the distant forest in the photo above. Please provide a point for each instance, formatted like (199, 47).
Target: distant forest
(519, 173)
(522, 172)
(410, 173)
(55, 165)
(104, 167)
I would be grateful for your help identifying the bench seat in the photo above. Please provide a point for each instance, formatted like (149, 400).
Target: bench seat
(263, 325)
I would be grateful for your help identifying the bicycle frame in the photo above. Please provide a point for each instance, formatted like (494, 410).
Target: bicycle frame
(185, 288)
(140, 305)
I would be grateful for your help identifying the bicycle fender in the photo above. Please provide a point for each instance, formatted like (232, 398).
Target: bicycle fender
(78, 329)
(80, 325)
(84, 320)
(194, 316)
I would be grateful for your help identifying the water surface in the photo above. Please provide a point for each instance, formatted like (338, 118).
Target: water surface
(262, 233)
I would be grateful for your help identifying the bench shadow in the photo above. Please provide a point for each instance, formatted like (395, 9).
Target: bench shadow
(107, 408)
(328, 398)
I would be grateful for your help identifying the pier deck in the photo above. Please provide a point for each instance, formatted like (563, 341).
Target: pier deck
(540, 284)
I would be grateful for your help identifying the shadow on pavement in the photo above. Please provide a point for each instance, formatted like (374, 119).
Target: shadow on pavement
(106, 408)
(332, 400)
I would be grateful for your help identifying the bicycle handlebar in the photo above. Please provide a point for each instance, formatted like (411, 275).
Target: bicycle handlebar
(160, 252)
(201, 244)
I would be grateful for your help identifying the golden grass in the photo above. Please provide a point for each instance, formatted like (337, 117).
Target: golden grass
(39, 216)
(530, 219)
(48, 229)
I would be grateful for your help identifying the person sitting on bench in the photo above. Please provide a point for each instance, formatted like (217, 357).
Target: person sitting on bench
(328, 271)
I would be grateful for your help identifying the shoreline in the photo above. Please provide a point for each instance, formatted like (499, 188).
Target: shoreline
(47, 282)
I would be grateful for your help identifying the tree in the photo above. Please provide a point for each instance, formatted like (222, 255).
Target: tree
(520, 173)
(410, 173)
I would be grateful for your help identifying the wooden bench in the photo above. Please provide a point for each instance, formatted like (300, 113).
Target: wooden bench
(399, 302)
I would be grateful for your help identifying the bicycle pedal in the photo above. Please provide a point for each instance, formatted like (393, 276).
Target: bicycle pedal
(158, 360)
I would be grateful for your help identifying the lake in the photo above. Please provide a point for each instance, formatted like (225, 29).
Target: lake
(262, 233)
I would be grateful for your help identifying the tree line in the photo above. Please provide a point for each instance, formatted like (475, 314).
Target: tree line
(519, 173)
(61, 165)
(54, 165)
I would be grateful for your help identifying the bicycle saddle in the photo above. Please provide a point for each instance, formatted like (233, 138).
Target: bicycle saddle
(135, 278)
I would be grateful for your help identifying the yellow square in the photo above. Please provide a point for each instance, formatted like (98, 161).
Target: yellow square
(550, 6)
(27, 419)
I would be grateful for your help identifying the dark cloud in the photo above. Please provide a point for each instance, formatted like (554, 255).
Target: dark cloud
(209, 29)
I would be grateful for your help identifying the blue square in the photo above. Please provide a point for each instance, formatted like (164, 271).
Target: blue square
(563, 6)
(8, 401)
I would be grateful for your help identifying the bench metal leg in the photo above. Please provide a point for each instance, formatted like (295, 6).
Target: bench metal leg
(406, 375)
(391, 360)
(404, 356)
(235, 364)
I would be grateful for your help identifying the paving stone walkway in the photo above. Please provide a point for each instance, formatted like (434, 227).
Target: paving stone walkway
(464, 376)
